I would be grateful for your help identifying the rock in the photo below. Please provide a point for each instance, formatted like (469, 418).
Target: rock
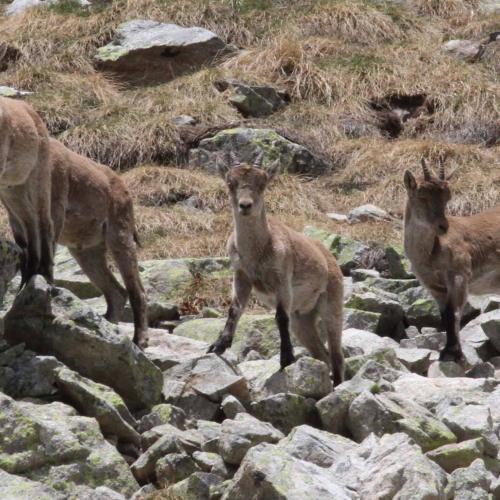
(246, 143)
(416, 360)
(254, 333)
(162, 414)
(315, 446)
(150, 52)
(243, 433)
(253, 100)
(391, 466)
(19, 6)
(196, 487)
(365, 213)
(231, 406)
(173, 468)
(385, 357)
(357, 342)
(210, 433)
(264, 377)
(471, 483)
(285, 411)
(96, 400)
(392, 285)
(53, 321)
(433, 340)
(445, 369)
(210, 462)
(457, 455)
(50, 444)
(398, 264)
(490, 323)
(337, 217)
(198, 386)
(424, 312)
(10, 91)
(184, 120)
(462, 49)
(361, 320)
(268, 472)
(364, 274)
(391, 413)
(478, 337)
(308, 377)
(13, 487)
(482, 370)
(189, 440)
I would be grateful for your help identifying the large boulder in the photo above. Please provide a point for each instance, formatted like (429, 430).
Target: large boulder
(19, 6)
(246, 143)
(52, 445)
(149, 51)
(53, 321)
(13, 487)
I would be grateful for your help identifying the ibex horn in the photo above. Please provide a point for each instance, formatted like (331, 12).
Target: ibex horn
(442, 175)
(234, 161)
(258, 159)
(427, 172)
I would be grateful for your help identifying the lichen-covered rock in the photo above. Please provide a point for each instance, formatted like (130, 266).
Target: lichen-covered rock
(162, 414)
(470, 483)
(210, 462)
(416, 360)
(231, 406)
(98, 401)
(256, 332)
(429, 338)
(391, 466)
(197, 486)
(173, 468)
(385, 357)
(50, 444)
(286, 411)
(264, 377)
(189, 440)
(388, 413)
(308, 377)
(198, 386)
(316, 446)
(149, 51)
(246, 143)
(424, 312)
(361, 320)
(268, 472)
(53, 321)
(243, 433)
(392, 285)
(357, 342)
(398, 264)
(13, 487)
(457, 455)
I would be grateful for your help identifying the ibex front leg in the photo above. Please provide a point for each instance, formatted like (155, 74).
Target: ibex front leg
(241, 292)
(283, 322)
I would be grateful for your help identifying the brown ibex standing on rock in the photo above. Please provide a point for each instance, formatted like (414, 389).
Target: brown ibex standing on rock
(25, 186)
(451, 256)
(92, 212)
(289, 272)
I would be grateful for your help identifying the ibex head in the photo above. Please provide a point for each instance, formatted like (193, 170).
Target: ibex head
(246, 182)
(429, 195)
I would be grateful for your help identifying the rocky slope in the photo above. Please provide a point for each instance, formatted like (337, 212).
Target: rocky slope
(85, 414)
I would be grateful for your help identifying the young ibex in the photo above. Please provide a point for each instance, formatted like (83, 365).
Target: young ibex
(92, 212)
(25, 186)
(451, 256)
(289, 272)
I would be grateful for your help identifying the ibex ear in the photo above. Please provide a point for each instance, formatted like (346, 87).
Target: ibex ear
(221, 167)
(272, 170)
(410, 182)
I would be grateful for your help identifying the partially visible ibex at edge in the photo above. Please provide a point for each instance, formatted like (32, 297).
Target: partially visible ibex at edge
(451, 256)
(25, 186)
(289, 272)
(92, 212)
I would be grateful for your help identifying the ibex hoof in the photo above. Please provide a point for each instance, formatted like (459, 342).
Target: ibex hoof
(142, 342)
(217, 348)
(286, 359)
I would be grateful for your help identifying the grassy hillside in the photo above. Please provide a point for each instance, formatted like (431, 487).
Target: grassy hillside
(341, 61)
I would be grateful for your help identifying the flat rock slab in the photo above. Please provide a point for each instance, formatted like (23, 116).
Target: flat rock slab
(150, 52)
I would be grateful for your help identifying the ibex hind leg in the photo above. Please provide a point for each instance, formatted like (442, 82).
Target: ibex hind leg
(94, 264)
(305, 328)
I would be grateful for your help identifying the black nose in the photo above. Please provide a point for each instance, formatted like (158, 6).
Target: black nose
(245, 205)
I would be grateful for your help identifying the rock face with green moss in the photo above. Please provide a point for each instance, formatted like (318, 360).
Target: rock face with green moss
(52, 445)
(53, 321)
(144, 51)
(246, 143)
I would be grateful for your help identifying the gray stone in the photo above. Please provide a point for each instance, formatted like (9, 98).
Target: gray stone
(19, 6)
(315, 446)
(149, 51)
(50, 444)
(388, 413)
(361, 320)
(490, 323)
(162, 414)
(445, 369)
(243, 433)
(53, 321)
(96, 400)
(197, 486)
(364, 274)
(462, 49)
(189, 440)
(356, 342)
(286, 411)
(385, 357)
(13, 487)
(198, 386)
(210, 462)
(398, 265)
(392, 285)
(416, 360)
(173, 468)
(246, 143)
(337, 217)
(471, 483)
(264, 377)
(365, 213)
(268, 472)
(433, 340)
(457, 455)
(231, 406)
(308, 377)
(184, 120)
(482, 370)
(210, 433)
(10, 91)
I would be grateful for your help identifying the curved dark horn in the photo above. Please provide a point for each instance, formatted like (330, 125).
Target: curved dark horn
(234, 161)
(442, 174)
(427, 172)
(258, 159)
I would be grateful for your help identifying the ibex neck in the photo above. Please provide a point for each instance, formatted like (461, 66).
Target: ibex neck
(419, 237)
(251, 232)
